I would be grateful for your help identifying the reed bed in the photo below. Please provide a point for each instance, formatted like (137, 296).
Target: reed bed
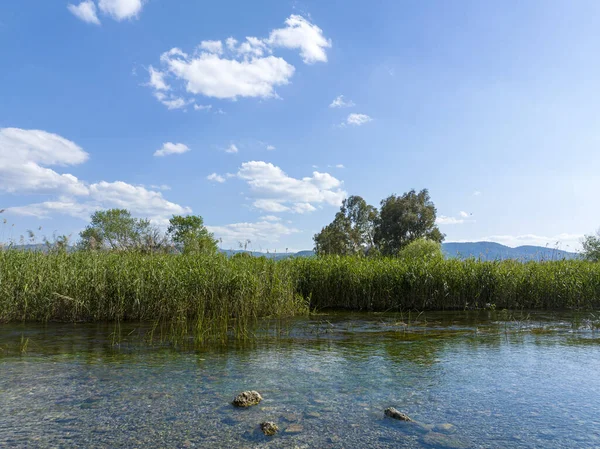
(438, 284)
(207, 298)
(213, 297)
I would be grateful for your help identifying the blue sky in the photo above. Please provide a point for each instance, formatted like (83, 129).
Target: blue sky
(228, 110)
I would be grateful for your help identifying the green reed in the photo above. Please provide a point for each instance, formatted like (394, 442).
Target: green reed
(213, 298)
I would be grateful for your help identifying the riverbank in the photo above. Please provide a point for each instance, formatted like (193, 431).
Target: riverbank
(215, 294)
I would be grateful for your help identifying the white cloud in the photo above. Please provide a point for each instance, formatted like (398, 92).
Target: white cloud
(340, 166)
(278, 192)
(252, 47)
(171, 148)
(259, 233)
(303, 35)
(476, 193)
(565, 241)
(271, 147)
(341, 102)
(216, 178)
(444, 220)
(270, 218)
(270, 205)
(171, 101)
(212, 46)
(357, 119)
(85, 11)
(160, 187)
(211, 75)
(121, 9)
(202, 107)
(231, 43)
(464, 214)
(157, 79)
(303, 208)
(24, 156)
(231, 149)
(246, 69)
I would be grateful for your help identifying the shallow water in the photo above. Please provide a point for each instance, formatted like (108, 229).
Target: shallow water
(500, 380)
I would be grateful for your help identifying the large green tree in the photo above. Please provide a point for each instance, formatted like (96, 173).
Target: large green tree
(404, 219)
(116, 229)
(190, 235)
(591, 247)
(352, 230)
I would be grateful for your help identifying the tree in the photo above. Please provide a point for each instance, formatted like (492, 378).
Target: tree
(591, 247)
(116, 229)
(190, 235)
(403, 219)
(422, 249)
(352, 230)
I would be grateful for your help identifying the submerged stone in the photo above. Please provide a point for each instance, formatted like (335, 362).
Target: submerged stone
(269, 428)
(247, 398)
(391, 412)
(440, 440)
(444, 428)
(294, 428)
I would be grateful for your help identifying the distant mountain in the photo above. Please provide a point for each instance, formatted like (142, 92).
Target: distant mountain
(496, 251)
(478, 250)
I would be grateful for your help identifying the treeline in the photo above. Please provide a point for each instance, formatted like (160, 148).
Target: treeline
(360, 229)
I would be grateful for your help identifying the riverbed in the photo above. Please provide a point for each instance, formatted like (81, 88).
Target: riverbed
(468, 379)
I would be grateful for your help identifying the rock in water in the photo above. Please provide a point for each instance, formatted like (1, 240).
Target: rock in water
(269, 428)
(391, 412)
(439, 440)
(247, 398)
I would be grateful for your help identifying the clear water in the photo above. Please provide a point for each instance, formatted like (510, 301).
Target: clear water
(500, 381)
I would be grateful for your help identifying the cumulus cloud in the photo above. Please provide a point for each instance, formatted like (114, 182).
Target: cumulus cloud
(242, 69)
(216, 178)
(24, 158)
(341, 102)
(340, 166)
(121, 9)
(300, 34)
(357, 119)
(117, 9)
(270, 218)
(212, 46)
(171, 148)
(231, 149)
(260, 233)
(202, 107)
(278, 192)
(211, 75)
(85, 11)
(271, 147)
(157, 79)
(106, 195)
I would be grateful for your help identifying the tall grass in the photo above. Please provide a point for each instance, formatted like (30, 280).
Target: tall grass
(208, 296)
(438, 284)
(212, 297)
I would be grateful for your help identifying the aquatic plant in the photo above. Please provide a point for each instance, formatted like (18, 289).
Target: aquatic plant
(211, 297)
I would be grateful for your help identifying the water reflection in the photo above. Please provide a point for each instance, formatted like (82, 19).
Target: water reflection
(469, 379)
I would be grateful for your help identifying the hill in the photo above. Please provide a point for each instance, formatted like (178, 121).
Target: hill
(496, 251)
